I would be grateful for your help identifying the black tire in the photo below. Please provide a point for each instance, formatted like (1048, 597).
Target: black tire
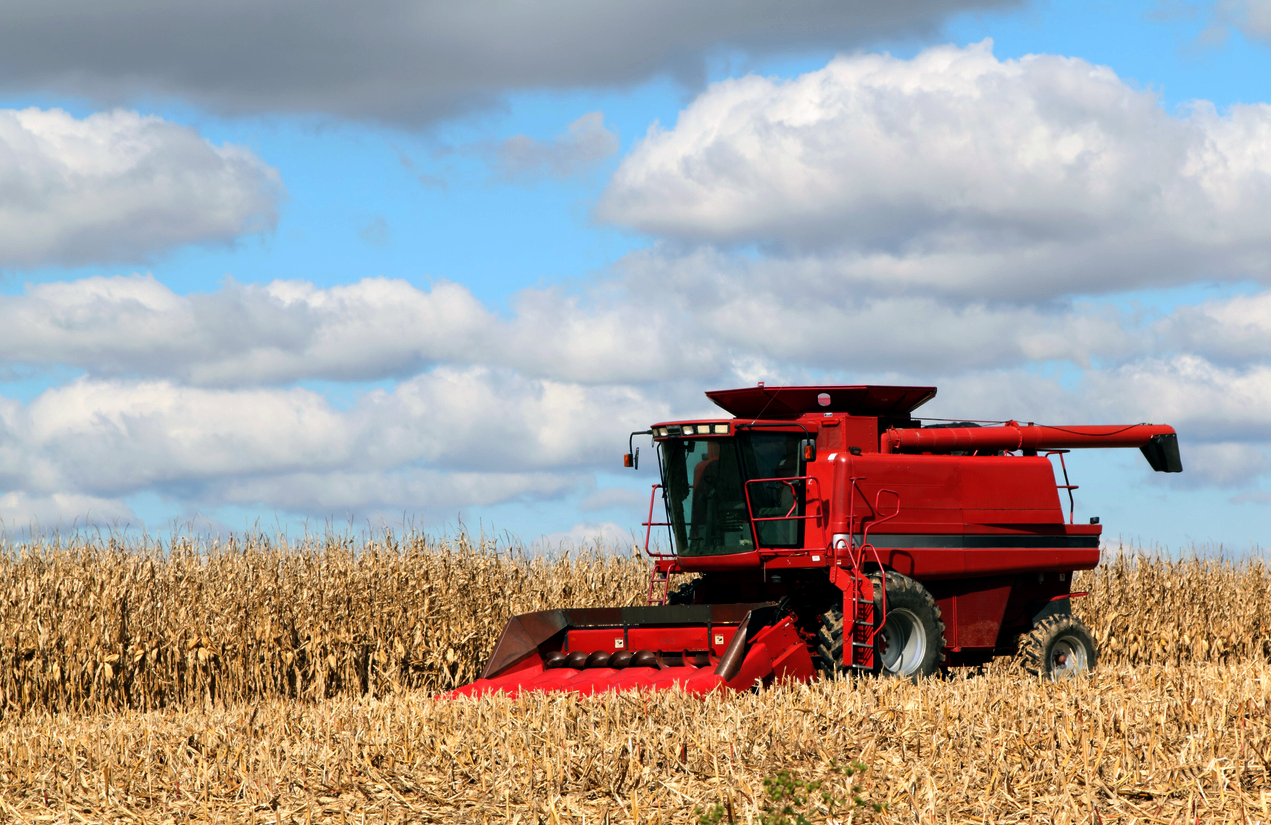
(913, 624)
(829, 642)
(1058, 647)
(684, 594)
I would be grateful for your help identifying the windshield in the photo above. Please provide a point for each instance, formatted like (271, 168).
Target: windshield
(706, 499)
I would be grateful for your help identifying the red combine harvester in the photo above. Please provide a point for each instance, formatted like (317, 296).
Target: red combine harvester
(833, 532)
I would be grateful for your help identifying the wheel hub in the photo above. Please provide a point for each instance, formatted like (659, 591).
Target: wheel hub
(902, 643)
(1068, 657)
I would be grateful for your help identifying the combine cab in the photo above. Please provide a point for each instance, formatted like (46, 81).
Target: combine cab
(830, 531)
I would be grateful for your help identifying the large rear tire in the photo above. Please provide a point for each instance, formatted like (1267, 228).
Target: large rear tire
(1058, 647)
(910, 644)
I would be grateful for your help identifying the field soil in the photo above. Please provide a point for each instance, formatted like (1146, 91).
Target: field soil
(257, 681)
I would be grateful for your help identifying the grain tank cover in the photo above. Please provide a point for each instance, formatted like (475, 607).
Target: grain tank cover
(791, 402)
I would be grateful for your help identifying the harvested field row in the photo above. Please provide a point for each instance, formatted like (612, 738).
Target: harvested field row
(1177, 743)
(91, 625)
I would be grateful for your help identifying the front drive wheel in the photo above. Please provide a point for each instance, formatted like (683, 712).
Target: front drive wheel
(911, 641)
(1058, 647)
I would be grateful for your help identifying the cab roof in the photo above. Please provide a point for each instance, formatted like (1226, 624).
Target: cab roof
(792, 402)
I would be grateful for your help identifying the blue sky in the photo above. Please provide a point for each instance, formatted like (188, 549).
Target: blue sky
(445, 293)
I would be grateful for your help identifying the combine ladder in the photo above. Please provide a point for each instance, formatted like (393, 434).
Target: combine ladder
(859, 628)
(860, 624)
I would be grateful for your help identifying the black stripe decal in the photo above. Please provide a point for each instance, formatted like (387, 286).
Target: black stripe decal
(897, 541)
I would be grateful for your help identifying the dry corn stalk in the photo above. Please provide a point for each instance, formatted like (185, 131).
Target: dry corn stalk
(96, 624)
(1148, 744)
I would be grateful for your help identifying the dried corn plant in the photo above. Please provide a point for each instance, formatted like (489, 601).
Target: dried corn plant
(95, 625)
(1165, 744)
(1149, 608)
(100, 625)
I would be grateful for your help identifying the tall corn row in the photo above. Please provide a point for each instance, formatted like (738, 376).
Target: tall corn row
(1148, 609)
(99, 625)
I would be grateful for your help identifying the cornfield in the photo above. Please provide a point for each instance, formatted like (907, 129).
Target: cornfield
(1178, 743)
(100, 625)
(254, 679)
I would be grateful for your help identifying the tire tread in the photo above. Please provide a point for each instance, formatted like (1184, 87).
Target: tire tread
(830, 637)
(1033, 645)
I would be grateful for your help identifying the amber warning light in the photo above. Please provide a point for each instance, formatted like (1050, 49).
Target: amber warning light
(632, 458)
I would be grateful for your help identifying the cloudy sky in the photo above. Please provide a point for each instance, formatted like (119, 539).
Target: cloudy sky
(289, 263)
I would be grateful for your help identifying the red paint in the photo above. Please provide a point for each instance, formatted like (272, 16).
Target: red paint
(985, 533)
(1014, 436)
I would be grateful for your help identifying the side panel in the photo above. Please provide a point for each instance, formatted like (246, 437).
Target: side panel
(861, 432)
(934, 563)
(983, 612)
(962, 490)
(972, 609)
(1010, 490)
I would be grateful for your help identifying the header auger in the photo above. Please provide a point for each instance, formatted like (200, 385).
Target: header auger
(831, 531)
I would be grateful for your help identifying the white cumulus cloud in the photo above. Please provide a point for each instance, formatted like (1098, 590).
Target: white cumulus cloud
(445, 439)
(956, 173)
(120, 186)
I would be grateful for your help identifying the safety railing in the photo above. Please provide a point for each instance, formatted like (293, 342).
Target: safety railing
(649, 524)
(795, 501)
(1067, 485)
(856, 556)
(794, 495)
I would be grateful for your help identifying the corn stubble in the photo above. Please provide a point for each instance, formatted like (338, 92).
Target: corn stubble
(255, 681)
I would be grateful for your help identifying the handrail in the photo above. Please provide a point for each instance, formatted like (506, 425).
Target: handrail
(878, 496)
(877, 521)
(856, 554)
(650, 524)
(788, 481)
(750, 510)
(1067, 485)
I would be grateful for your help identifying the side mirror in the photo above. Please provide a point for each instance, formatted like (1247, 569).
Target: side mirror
(809, 450)
(632, 459)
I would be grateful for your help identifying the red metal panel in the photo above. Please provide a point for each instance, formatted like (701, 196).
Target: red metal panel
(830, 437)
(1008, 483)
(668, 638)
(979, 615)
(733, 561)
(789, 402)
(926, 563)
(1006, 561)
(924, 483)
(590, 640)
(861, 432)
(1001, 518)
(791, 661)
